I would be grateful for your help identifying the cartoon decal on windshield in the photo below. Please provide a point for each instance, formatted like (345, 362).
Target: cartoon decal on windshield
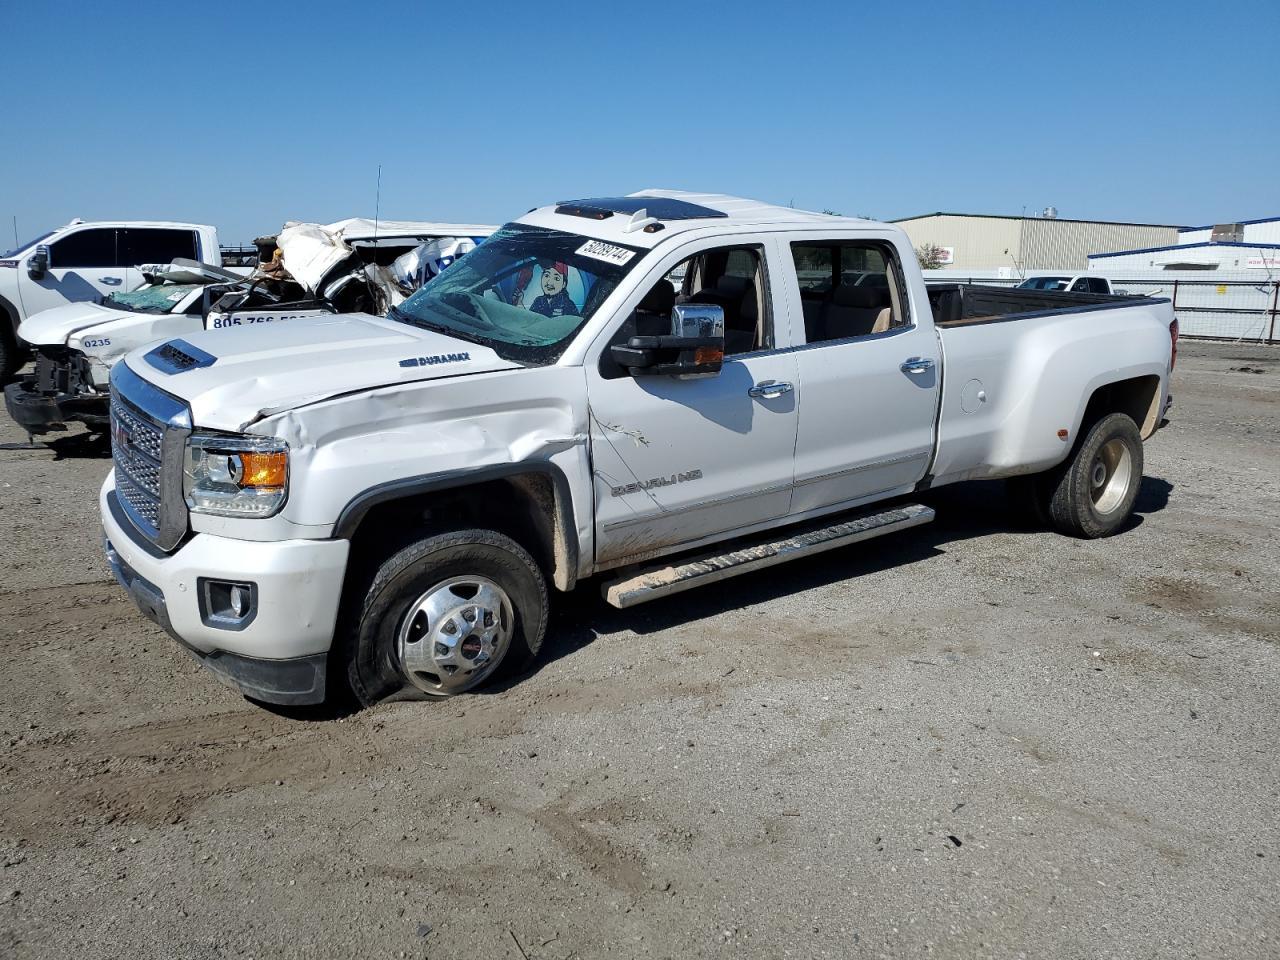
(564, 288)
(554, 302)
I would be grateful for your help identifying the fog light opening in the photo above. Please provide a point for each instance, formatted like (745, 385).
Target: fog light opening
(228, 604)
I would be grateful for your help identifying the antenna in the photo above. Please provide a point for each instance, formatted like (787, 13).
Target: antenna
(16, 241)
(377, 206)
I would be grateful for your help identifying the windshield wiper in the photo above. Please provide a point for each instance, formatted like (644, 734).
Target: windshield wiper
(395, 313)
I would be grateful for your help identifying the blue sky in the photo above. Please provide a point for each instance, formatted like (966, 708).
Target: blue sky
(244, 115)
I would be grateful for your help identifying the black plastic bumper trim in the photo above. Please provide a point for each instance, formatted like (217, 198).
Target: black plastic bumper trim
(43, 413)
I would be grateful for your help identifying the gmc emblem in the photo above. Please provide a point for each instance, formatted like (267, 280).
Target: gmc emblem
(120, 436)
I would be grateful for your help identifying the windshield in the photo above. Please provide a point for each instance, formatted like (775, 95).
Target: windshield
(1044, 283)
(152, 297)
(30, 243)
(524, 292)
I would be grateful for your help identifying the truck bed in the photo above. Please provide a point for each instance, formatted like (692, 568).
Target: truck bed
(959, 304)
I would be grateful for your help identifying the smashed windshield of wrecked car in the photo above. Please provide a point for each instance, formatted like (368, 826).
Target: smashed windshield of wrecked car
(524, 292)
(152, 298)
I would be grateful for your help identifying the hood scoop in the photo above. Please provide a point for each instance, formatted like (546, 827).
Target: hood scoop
(178, 356)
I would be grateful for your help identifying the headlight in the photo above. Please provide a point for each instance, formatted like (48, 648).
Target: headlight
(229, 475)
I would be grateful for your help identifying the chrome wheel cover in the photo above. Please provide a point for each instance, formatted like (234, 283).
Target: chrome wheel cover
(455, 635)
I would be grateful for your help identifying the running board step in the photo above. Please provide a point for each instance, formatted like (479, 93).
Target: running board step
(658, 582)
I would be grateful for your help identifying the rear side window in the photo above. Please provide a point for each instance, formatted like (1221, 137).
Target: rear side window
(848, 290)
(84, 248)
(155, 245)
(1098, 285)
(814, 269)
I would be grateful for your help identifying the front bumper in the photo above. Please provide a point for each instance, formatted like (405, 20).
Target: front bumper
(279, 655)
(38, 412)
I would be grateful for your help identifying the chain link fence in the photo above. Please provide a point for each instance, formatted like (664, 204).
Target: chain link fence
(1243, 310)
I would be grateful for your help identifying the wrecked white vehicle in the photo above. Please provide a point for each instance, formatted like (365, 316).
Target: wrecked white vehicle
(309, 270)
(77, 344)
(352, 266)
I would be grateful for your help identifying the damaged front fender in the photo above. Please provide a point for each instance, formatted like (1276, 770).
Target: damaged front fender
(351, 454)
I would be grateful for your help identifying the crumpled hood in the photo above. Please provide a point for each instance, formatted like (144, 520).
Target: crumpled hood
(231, 378)
(52, 327)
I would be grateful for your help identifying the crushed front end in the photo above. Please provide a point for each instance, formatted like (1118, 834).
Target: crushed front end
(58, 392)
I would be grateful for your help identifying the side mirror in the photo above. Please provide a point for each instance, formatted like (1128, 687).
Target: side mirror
(694, 348)
(38, 263)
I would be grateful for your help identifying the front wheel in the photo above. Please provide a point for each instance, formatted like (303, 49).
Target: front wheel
(446, 614)
(11, 355)
(1095, 490)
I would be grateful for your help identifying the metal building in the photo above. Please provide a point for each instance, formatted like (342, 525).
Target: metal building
(1244, 246)
(987, 242)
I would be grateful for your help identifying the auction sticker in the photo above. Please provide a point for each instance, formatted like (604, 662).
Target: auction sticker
(599, 250)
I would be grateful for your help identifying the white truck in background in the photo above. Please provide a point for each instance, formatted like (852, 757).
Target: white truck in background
(84, 262)
(1078, 283)
(347, 266)
(378, 505)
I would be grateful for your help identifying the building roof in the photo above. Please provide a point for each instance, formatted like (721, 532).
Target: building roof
(999, 216)
(1243, 223)
(1189, 246)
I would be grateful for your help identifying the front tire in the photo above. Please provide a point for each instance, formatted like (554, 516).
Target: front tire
(1095, 490)
(445, 615)
(12, 356)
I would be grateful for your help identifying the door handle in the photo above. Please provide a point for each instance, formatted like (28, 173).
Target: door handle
(769, 390)
(916, 365)
(110, 281)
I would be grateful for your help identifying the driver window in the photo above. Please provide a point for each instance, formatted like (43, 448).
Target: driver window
(732, 278)
(85, 248)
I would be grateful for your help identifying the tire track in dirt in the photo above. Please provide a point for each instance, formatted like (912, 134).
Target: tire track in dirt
(161, 771)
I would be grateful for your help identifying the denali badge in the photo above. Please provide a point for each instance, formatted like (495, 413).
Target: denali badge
(670, 481)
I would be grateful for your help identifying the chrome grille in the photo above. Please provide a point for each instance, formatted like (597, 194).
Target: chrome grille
(141, 503)
(148, 434)
(136, 444)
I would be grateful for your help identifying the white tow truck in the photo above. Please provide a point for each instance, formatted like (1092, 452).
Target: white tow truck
(85, 262)
(381, 504)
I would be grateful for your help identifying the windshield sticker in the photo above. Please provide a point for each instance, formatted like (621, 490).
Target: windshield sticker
(554, 301)
(432, 361)
(607, 252)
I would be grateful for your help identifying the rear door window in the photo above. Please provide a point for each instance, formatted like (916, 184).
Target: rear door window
(848, 289)
(139, 245)
(84, 248)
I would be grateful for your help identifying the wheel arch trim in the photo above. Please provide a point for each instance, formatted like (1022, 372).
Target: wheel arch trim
(565, 548)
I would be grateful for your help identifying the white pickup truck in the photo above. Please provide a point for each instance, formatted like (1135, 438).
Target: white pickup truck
(1080, 283)
(85, 262)
(379, 504)
(341, 267)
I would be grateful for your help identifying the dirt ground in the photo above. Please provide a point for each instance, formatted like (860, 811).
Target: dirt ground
(969, 740)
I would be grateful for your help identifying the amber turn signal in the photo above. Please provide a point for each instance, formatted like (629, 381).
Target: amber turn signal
(270, 469)
(708, 355)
